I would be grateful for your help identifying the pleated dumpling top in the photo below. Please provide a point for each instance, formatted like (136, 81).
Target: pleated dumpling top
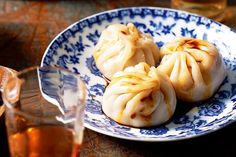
(120, 46)
(195, 68)
(139, 96)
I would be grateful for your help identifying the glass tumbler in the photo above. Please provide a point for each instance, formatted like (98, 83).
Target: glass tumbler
(44, 112)
(213, 9)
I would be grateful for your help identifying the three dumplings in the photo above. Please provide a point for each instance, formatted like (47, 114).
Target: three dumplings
(141, 95)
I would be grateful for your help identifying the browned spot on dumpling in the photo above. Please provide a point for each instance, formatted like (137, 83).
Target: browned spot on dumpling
(123, 32)
(189, 68)
(194, 44)
(142, 109)
(107, 80)
(198, 62)
(148, 98)
(146, 118)
(133, 116)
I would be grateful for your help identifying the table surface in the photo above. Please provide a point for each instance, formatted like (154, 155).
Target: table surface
(26, 29)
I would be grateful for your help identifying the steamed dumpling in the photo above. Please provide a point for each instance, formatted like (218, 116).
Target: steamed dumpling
(120, 46)
(139, 96)
(194, 67)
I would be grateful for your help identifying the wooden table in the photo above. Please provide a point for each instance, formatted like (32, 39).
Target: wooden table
(27, 27)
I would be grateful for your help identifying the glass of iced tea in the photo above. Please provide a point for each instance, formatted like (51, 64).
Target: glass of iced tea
(213, 9)
(44, 112)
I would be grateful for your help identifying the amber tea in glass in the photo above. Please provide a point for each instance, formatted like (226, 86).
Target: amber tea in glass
(44, 112)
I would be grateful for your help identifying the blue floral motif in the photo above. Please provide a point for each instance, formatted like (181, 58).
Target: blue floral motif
(92, 66)
(218, 120)
(47, 60)
(86, 79)
(140, 25)
(75, 70)
(234, 99)
(97, 89)
(159, 28)
(225, 81)
(189, 123)
(80, 46)
(74, 51)
(167, 29)
(229, 120)
(117, 129)
(55, 89)
(160, 44)
(55, 46)
(62, 61)
(188, 33)
(156, 28)
(93, 106)
(230, 63)
(213, 108)
(155, 25)
(223, 94)
(233, 90)
(114, 128)
(205, 36)
(192, 132)
(182, 120)
(110, 122)
(156, 131)
(149, 31)
(93, 122)
(74, 59)
(93, 37)
(76, 48)
(48, 87)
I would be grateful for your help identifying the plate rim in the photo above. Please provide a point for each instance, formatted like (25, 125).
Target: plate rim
(142, 139)
(152, 139)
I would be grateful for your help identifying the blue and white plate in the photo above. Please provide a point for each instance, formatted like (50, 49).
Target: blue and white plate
(73, 49)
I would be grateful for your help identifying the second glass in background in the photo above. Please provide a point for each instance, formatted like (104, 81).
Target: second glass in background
(213, 9)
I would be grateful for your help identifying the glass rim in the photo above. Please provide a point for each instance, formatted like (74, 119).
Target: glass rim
(23, 71)
(9, 105)
(6, 73)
